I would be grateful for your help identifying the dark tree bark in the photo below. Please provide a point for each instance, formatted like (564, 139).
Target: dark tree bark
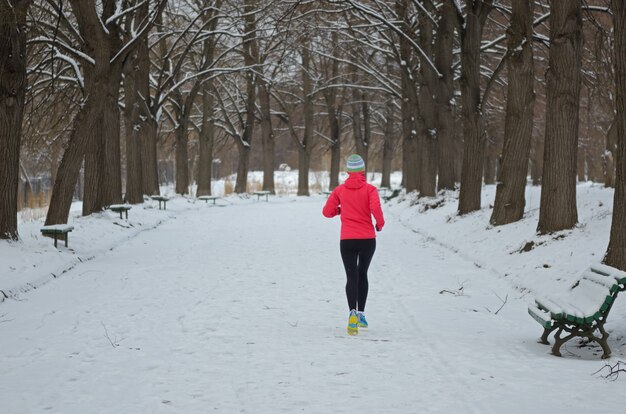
(87, 139)
(518, 127)
(334, 112)
(473, 125)
(616, 252)
(359, 122)
(608, 158)
(182, 147)
(409, 106)
(558, 191)
(536, 160)
(267, 136)
(251, 56)
(134, 172)
(429, 151)
(149, 137)
(334, 109)
(12, 98)
(306, 148)
(444, 96)
(388, 141)
(207, 137)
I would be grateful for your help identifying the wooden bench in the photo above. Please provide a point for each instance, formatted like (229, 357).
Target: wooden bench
(57, 230)
(160, 199)
(208, 198)
(120, 208)
(383, 191)
(260, 194)
(582, 310)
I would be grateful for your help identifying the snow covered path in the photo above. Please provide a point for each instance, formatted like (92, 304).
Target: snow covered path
(241, 309)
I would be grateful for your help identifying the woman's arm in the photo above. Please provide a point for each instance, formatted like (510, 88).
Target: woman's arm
(331, 209)
(376, 209)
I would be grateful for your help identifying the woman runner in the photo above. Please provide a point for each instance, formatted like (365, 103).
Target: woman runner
(356, 201)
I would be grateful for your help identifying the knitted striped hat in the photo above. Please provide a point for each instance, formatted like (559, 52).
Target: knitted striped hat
(355, 163)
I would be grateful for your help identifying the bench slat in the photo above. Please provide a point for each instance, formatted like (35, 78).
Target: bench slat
(606, 281)
(540, 316)
(57, 228)
(605, 270)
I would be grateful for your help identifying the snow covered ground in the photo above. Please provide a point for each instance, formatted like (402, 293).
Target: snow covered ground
(240, 307)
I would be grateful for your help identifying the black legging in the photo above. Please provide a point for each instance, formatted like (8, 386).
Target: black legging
(357, 255)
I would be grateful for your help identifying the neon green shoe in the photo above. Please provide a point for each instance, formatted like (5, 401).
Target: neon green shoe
(353, 323)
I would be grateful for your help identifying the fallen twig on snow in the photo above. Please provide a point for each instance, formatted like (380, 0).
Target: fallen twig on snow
(614, 370)
(504, 301)
(114, 343)
(457, 292)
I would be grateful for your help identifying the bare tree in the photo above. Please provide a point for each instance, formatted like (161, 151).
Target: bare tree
(471, 28)
(101, 58)
(558, 191)
(12, 97)
(511, 185)
(616, 252)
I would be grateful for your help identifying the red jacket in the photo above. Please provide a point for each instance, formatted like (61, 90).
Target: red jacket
(356, 201)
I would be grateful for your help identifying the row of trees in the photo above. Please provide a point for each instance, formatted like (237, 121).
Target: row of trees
(452, 84)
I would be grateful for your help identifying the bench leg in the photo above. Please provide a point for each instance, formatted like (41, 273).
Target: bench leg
(558, 341)
(603, 341)
(544, 337)
(67, 236)
(120, 214)
(55, 241)
(126, 214)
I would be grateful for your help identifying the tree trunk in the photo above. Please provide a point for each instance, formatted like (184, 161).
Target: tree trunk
(360, 142)
(267, 137)
(85, 121)
(335, 164)
(409, 106)
(608, 158)
(444, 97)
(12, 98)
(616, 252)
(427, 106)
(304, 156)
(536, 160)
(182, 158)
(111, 167)
(94, 157)
(388, 140)
(335, 137)
(251, 57)
(150, 171)
(490, 168)
(207, 136)
(518, 125)
(474, 146)
(243, 166)
(134, 178)
(558, 191)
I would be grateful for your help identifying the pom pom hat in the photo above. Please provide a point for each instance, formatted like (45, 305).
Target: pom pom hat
(355, 164)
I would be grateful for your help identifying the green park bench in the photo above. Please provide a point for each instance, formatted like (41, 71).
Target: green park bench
(161, 199)
(208, 198)
(56, 231)
(120, 208)
(260, 194)
(582, 310)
